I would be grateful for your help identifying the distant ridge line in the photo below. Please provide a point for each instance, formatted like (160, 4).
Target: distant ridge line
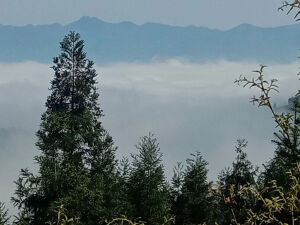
(128, 42)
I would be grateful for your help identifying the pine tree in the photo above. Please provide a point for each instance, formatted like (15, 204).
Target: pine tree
(148, 190)
(195, 196)
(287, 153)
(176, 193)
(4, 218)
(77, 161)
(125, 207)
(242, 174)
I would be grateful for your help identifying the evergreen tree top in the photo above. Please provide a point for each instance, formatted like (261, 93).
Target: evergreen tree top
(74, 84)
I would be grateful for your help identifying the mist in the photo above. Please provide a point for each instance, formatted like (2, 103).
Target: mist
(189, 107)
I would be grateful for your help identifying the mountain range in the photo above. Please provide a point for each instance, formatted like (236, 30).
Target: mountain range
(128, 42)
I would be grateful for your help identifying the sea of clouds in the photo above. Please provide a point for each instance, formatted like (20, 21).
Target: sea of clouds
(189, 107)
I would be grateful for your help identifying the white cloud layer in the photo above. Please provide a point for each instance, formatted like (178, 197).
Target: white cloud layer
(190, 107)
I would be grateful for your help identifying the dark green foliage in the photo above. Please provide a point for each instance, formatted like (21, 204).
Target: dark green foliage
(287, 153)
(286, 157)
(21, 219)
(176, 193)
(148, 190)
(191, 199)
(77, 166)
(242, 174)
(4, 218)
(242, 171)
(196, 204)
(122, 192)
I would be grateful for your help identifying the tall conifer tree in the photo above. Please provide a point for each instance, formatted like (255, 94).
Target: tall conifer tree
(148, 190)
(77, 160)
(232, 180)
(195, 196)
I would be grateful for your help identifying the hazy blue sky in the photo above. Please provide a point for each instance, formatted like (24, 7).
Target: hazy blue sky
(211, 13)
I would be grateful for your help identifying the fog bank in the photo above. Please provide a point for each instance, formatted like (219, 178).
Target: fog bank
(189, 107)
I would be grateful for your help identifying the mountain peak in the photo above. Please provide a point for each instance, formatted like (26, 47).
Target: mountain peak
(245, 26)
(88, 20)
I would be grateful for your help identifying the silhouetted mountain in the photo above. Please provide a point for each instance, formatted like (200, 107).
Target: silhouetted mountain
(114, 42)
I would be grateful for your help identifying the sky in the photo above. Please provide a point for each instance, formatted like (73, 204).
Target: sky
(219, 14)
